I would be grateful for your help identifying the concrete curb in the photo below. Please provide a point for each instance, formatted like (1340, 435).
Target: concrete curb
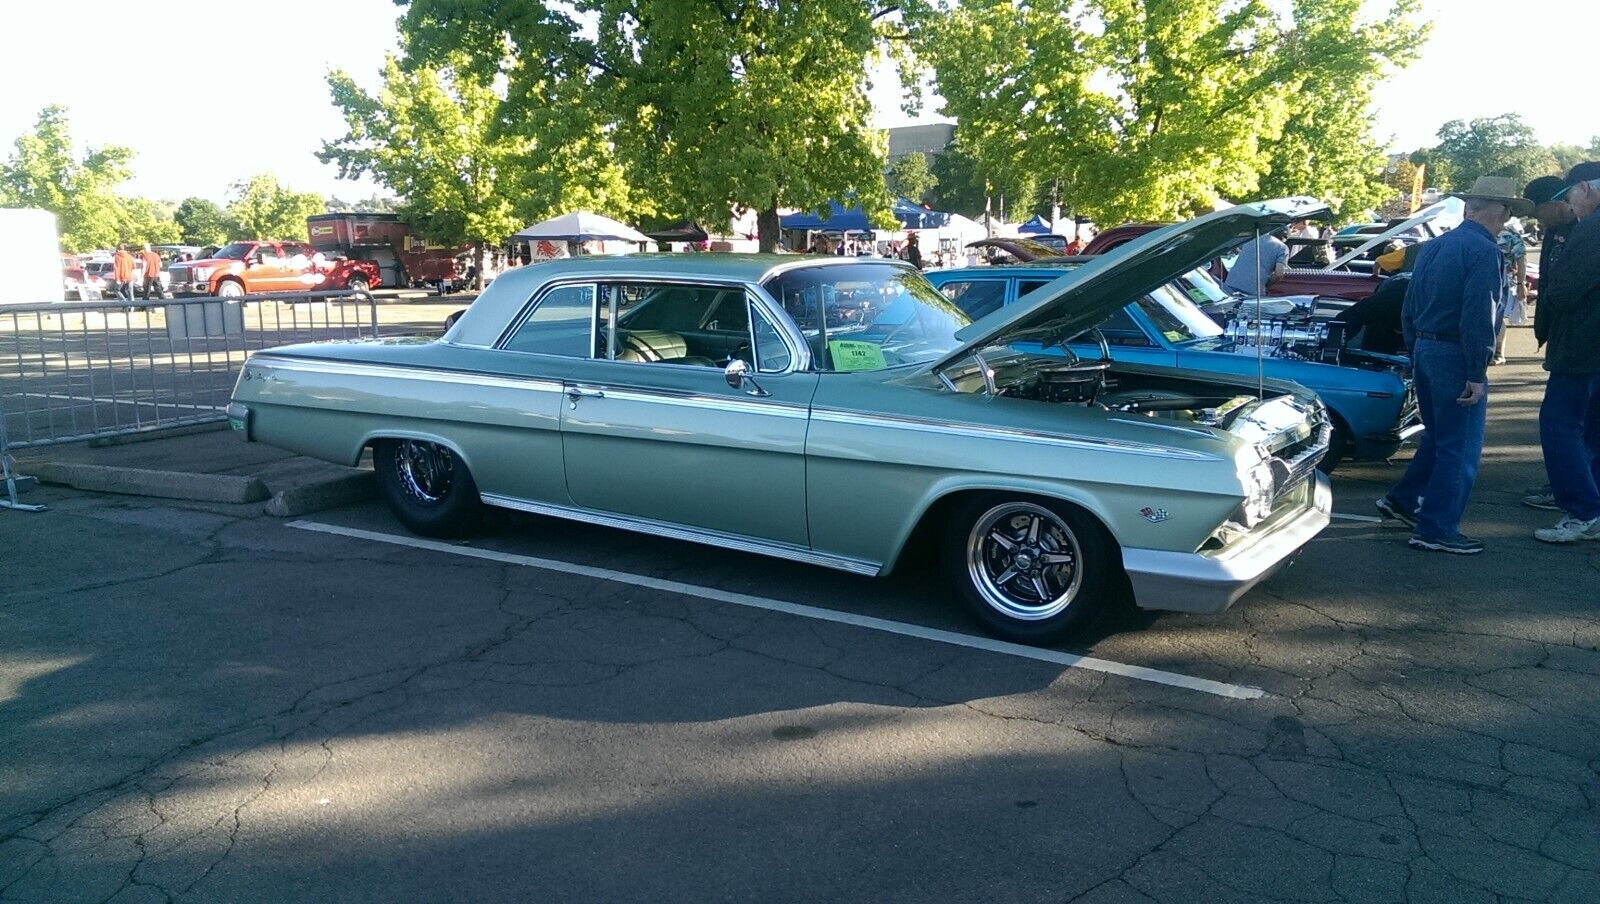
(101, 442)
(146, 482)
(324, 494)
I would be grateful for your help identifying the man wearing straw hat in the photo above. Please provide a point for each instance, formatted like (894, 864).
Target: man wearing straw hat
(1449, 321)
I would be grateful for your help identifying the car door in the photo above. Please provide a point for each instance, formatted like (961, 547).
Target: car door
(652, 431)
(264, 270)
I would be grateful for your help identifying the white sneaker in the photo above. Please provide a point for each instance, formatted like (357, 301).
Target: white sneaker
(1569, 530)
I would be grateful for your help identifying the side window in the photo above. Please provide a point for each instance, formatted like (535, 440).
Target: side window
(561, 324)
(772, 355)
(730, 314)
(667, 324)
(978, 297)
(1027, 286)
(1120, 329)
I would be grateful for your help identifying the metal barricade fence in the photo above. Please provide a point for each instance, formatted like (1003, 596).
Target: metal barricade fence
(81, 370)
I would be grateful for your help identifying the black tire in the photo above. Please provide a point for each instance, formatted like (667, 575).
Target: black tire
(358, 285)
(1078, 592)
(230, 288)
(428, 487)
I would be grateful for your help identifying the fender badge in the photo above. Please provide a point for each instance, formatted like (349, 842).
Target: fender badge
(1153, 515)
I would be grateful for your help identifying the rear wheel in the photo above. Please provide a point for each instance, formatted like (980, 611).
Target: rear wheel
(1029, 570)
(358, 285)
(427, 486)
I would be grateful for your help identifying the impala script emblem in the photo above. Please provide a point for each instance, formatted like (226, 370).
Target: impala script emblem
(1153, 515)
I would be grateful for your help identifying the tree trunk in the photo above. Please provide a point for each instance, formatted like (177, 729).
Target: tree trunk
(481, 255)
(768, 229)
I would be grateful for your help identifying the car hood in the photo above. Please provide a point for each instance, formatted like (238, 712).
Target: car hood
(1094, 291)
(1448, 210)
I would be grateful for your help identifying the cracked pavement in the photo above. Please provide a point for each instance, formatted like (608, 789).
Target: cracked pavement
(200, 704)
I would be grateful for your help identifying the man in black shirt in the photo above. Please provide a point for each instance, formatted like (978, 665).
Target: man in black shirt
(1569, 419)
(1556, 220)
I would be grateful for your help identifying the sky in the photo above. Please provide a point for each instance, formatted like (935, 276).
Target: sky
(210, 94)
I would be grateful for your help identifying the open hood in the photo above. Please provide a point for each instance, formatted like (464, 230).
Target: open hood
(1085, 297)
(1448, 209)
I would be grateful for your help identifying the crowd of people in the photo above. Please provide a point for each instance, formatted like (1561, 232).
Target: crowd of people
(1463, 286)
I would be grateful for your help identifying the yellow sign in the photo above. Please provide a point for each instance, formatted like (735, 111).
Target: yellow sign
(851, 356)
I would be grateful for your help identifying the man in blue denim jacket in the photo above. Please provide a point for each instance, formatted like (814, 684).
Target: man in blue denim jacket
(1449, 321)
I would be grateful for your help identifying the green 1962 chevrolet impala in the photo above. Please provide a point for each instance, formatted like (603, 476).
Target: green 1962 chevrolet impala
(834, 411)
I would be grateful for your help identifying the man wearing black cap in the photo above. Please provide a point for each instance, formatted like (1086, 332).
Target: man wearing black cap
(1569, 419)
(1556, 220)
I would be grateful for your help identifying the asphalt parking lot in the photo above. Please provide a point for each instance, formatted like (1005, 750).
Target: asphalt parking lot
(201, 703)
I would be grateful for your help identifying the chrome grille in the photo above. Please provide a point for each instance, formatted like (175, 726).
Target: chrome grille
(1293, 465)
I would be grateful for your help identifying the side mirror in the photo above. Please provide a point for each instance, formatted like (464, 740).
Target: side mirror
(738, 376)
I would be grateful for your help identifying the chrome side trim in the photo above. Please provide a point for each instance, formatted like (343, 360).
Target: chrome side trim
(689, 534)
(836, 416)
(696, 400)
(393, 372)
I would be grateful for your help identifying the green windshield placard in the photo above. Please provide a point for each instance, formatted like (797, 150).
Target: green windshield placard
(1198, 296)
(849, 355)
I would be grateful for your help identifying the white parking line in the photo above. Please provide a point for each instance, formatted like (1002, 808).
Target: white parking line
(1364, 519)
(1070, 660)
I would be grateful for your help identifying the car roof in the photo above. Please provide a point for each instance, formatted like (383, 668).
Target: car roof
(487, 317)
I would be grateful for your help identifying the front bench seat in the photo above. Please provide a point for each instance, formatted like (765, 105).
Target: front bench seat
(657, 345)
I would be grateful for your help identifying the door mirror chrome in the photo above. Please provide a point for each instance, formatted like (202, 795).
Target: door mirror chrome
(738, 375)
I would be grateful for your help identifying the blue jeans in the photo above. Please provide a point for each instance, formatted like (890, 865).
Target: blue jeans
(1439, 480)
(1569, 431)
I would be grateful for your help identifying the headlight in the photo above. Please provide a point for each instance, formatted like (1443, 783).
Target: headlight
(201, 274)
(1258, 492)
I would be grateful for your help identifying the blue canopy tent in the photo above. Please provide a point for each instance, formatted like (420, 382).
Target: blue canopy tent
(853, 219)
(1035, 226)
(840, 219)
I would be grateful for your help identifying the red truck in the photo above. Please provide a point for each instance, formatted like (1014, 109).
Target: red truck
(405, 259)
(247, 268)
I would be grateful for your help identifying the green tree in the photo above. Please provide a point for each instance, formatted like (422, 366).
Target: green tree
(201, 222)
(142, 220)
(261, 208)
(711, 107)
(911, 177)
(44, 172)
(1139, 110)
(1567, 156)
(1327, 148)
(439, 137)
(1493, 146)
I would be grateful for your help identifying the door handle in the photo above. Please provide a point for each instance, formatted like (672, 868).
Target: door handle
(574, 393)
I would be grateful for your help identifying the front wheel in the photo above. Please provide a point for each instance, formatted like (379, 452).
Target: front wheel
(230, 288)
(358, 285)
(1030, 570)
(427, 486)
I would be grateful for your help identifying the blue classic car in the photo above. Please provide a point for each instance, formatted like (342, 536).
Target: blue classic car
(1370, 396)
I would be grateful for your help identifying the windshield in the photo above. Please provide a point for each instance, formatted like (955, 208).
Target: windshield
(1176, 316)
(237, 251)
(868, 316)
(1202, 288)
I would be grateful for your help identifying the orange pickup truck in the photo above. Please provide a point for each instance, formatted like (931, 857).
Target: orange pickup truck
(241, 268)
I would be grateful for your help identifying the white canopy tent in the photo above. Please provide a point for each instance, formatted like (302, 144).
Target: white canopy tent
(582, 226)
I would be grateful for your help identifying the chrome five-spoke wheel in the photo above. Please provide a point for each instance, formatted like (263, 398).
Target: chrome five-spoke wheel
(1028, 568)
(1025, 561)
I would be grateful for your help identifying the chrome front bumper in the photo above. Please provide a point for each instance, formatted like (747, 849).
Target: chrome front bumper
(1194, 582)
